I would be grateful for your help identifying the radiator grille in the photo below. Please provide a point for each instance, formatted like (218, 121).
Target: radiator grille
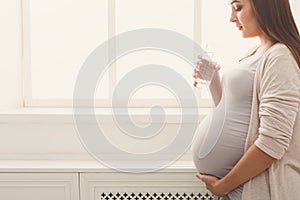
(155, 196)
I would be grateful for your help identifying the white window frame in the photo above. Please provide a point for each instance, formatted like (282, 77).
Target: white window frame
(26, 63)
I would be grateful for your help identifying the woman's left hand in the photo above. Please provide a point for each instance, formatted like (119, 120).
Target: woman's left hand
(213, 184)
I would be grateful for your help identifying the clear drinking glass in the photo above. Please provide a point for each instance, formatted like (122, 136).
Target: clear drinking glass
(206, 70)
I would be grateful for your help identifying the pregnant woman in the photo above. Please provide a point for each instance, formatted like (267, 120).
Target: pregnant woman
(222, 134)
(257, 110)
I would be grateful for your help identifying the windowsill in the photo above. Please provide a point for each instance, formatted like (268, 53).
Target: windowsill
(48, 142)
(65, 115)
(35, 166)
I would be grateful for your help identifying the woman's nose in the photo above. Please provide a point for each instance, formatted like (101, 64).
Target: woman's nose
(233, 17)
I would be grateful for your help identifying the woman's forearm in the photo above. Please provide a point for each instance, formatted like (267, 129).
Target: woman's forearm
(216, 88)
(250, 165)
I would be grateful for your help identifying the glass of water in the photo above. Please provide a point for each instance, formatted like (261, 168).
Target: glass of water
(204, 70)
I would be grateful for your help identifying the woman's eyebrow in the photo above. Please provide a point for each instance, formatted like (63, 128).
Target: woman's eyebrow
(233, 1)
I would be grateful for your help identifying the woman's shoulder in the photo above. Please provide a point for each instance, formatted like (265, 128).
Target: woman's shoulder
(278, 49)
(279, 58)
(278, 53)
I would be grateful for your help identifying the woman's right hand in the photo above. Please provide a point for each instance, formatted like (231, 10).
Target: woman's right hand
(205, 69)
(213, 77)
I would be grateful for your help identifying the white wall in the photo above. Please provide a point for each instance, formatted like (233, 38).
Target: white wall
(10, 54)
(296, 6)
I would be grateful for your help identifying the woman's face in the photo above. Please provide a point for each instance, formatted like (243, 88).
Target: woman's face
(242, 15)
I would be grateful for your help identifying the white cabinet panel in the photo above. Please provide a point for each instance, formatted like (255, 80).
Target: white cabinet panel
(39, 186)
(149, 186)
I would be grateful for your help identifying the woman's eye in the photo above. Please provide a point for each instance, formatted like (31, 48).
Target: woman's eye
(237, 8)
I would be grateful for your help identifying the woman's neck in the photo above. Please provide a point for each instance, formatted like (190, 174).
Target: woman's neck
(265, 44)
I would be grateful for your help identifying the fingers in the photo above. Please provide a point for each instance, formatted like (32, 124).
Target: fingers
(205, 69)
(204, 63)
(201, 177)
(196, 74)
(195, 83)
(206, 178)
(200, 57)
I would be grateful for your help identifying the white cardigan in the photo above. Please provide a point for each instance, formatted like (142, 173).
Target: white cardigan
(275, 126)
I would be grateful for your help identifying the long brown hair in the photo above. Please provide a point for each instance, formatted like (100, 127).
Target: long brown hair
(276, 21)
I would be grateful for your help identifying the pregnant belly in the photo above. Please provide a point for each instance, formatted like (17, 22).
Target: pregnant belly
(217, 149)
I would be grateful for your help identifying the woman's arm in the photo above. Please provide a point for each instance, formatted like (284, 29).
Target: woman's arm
(216, 88)
(253, 162)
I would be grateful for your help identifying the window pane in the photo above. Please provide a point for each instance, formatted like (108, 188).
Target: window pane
(62, 34)
(295, 6)
(175, 15)
(154, 57)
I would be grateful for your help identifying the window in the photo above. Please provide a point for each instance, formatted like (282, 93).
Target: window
(59, 35)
